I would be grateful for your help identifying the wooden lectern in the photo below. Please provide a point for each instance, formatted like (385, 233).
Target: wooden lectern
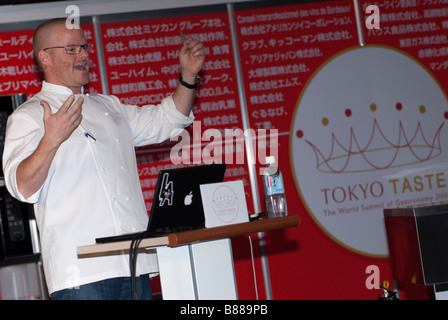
(195, 264)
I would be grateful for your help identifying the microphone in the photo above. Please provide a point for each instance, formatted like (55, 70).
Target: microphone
(65, 64)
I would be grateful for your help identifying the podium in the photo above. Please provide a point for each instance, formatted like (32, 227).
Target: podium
(418, 241)
(195, 265)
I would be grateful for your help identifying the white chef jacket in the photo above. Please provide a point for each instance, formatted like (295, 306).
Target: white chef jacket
(93, 188)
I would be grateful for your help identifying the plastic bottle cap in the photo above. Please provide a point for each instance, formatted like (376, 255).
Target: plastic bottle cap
(271, 170)
(270, 160)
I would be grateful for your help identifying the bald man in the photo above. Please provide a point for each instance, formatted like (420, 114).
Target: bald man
(72, 155)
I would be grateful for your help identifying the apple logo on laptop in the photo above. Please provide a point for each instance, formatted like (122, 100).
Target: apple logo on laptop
(188, 198)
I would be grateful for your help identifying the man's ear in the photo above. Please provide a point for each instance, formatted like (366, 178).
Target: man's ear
(44, 59)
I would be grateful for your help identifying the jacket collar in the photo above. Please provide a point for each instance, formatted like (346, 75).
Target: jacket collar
(49, 87)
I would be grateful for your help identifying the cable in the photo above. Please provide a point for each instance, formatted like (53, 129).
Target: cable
(133, 253)
(253, 266)
(132, 267)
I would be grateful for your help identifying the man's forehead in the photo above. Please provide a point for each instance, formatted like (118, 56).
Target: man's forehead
(67, 34)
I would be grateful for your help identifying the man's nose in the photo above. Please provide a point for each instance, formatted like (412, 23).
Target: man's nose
(83, 53)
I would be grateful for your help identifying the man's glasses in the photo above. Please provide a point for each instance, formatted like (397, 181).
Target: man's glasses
(74, 48)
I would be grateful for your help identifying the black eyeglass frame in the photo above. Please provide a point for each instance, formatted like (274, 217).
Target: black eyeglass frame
(87, 47)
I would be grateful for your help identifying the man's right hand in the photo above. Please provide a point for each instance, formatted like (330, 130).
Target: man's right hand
(60, 125)
(33, 171)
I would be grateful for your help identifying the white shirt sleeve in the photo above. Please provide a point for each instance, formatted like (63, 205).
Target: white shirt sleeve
(155, 124)
(20, 143)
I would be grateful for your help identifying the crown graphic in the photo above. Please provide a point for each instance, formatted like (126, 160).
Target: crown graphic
(224, 201)
(379, 152)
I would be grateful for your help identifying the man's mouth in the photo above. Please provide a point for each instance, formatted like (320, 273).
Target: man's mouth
(81, 66)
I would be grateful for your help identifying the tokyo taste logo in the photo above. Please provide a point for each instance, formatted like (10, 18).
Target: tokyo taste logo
(225, 204)
(373, 141)
(405, 149)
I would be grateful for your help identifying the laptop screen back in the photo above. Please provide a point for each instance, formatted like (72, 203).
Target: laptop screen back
(177, 203)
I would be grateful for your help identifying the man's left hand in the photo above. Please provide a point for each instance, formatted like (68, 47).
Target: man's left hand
(191, 57)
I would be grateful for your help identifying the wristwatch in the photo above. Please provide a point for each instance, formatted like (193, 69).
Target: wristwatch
(190, 86)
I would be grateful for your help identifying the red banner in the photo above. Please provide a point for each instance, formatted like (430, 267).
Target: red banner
(19, 71)
(143, 67)
(281, 48)
(418, 28)
(142, 62)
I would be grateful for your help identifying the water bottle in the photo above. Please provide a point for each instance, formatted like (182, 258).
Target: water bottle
(274, 190)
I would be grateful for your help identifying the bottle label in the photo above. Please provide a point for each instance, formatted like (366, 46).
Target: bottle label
(273, 184)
